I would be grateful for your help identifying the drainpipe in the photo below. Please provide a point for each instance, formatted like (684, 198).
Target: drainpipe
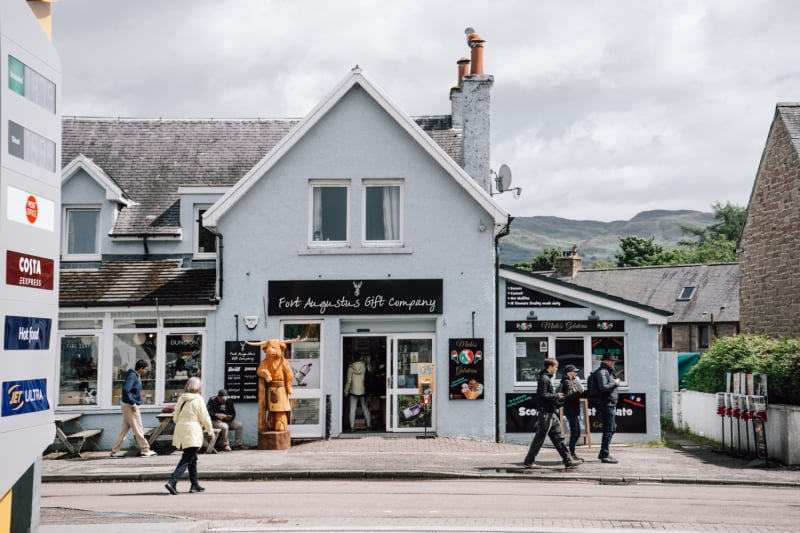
(220, 264)
(503, 232)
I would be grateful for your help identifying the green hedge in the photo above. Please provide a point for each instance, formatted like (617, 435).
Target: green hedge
(751, 354)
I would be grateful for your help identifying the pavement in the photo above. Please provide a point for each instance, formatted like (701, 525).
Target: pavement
(380, 457)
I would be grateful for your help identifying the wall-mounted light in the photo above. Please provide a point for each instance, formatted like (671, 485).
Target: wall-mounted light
(593, 316)
(481, 227)
(532, 315)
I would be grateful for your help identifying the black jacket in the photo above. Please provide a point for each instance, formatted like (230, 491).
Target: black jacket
(216, 408)
(572, 395)
(548, 399)
(608, 387)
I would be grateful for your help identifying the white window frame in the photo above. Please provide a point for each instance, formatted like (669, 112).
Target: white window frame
(369, 183)
(313, 185)
(67, 256)
(196, 223)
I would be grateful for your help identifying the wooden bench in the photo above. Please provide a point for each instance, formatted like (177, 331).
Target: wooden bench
(79, 436)
(160, 433)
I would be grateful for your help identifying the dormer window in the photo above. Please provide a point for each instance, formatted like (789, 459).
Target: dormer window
(205, 241)
(81, 233)
(686, 294)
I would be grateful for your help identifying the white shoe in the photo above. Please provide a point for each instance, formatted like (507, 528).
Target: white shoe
(117, 455)
(148, 453)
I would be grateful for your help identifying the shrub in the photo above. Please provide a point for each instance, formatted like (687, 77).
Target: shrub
(751, 354)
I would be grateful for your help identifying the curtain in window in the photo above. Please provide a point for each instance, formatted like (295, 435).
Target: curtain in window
(317, 215)
(391, 213)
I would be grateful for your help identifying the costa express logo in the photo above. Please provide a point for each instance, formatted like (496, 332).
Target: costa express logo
(28, 396)
(29, 270)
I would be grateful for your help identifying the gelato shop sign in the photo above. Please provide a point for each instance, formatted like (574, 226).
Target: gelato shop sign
(356, 297)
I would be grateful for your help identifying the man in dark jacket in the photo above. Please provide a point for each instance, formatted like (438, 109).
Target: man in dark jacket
(129, 401)
(223, 415)
(573, 390)
(607, 383)
(549, 401)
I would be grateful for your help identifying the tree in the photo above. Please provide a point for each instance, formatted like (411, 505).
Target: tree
(636, 251)
(716, 243)
(544, 262)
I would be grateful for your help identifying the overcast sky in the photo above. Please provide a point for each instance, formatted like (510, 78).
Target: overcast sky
(601, 109)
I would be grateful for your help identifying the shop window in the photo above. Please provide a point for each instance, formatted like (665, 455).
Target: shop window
(78, 370)
(129, 348)
(569, 351)
(184, 360)
(614, 346)
(205, 241)
(702, 336)
(382, 213)
(329, 213)
(529, 358)
(81, 233)
(666, 337)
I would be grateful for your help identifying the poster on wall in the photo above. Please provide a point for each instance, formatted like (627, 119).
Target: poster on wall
(466, 369)
(520, 413)
(241, 363)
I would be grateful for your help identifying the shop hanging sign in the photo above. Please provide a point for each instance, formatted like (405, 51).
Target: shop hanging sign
(241, 363)
(27, 333)
(355, 297)
(518, 296)
(26, 270)
(558, 326)
(466, 369)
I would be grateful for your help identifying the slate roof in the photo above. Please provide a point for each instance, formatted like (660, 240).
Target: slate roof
(790, 113)
(137, 283)
(716, 289)
(150, 158)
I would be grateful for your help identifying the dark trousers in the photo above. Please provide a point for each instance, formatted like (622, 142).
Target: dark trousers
(574, 432)
(608, 416)
(548, 427)
(188, 460)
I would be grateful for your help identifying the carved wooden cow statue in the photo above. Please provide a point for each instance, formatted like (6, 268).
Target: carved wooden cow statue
(274, 369)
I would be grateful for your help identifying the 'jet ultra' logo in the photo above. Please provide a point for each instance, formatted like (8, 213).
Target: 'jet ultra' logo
(26, 396)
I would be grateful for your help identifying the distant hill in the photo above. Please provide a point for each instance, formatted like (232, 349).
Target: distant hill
(597, 241)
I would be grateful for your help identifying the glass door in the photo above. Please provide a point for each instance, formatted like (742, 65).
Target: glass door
(406, 406)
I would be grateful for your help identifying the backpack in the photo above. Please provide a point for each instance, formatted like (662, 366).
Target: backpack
(593, 391)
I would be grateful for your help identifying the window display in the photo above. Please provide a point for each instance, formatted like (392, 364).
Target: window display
(184, 359)
(78, 375)
(129, 348)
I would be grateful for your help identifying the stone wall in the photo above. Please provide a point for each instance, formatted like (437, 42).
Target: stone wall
(769, 285)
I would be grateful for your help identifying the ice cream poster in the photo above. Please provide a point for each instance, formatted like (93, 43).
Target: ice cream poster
(426, 374)
(466, 369)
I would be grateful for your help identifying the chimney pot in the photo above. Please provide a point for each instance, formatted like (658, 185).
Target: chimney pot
(476, 44)
(463, 70)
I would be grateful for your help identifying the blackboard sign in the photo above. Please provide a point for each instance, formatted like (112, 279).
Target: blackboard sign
(583, 423)
(241, 363)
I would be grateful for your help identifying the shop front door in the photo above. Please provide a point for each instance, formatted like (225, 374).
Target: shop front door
(407, 409)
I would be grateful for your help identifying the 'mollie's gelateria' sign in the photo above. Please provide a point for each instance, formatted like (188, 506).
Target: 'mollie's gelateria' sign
(356, 297)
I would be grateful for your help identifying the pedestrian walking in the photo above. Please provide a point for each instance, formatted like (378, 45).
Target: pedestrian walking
(223, 417)
(355, 387)
(190, 418)
(572, 389)
(606, 384)
(129, 401)
(548, 403)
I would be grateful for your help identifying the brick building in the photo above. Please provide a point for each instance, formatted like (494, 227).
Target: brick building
(769, 293)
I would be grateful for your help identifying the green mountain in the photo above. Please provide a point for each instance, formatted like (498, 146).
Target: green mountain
(597, 241)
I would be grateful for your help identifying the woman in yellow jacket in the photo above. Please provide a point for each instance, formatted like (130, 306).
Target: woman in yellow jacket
(190, 418)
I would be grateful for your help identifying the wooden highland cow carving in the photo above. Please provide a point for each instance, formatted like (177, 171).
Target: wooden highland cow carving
(274, 389)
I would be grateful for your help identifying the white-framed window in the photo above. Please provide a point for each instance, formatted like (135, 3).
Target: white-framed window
(81, 232)
(583, 351)
(329, 213)
(205, 242)
(382, 217)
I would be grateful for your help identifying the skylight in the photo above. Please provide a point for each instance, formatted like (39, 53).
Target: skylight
(686, 293)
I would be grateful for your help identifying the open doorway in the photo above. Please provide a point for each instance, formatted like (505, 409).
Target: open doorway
(368, 411)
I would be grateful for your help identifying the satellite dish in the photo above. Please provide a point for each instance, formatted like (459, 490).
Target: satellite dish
(503, 178)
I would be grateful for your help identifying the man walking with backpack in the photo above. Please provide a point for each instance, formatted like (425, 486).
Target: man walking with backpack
(603, 391)
(548, 403)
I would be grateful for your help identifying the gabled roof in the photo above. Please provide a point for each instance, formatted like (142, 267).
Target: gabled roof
(572, 291)
(149, 159)
(113, 191)
(137, 283)
(716, 289)
(356, 78)
(789, 114)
